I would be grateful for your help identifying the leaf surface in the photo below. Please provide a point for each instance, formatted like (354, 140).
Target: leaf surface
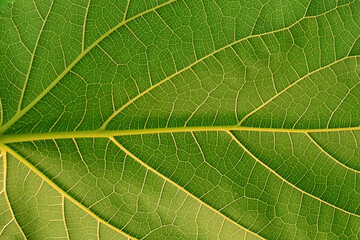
(180, 119)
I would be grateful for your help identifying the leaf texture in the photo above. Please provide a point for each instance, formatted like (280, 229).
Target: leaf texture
(180, 119)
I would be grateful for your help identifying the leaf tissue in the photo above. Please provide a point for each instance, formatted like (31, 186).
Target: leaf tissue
(180, 119)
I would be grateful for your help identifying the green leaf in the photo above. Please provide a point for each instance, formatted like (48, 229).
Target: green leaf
(180, 119)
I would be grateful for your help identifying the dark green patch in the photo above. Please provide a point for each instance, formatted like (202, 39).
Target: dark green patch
(3, 3)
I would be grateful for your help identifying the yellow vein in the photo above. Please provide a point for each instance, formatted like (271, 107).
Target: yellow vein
(98, 230)
(181, 188)
(62, 192)
(126, 10)
(291, 85)
(37, 10)
(328, 154)
(84, 26)
(33, 56)
(112, 133)
(6, 196)
(5, 226)
(19, 114)
(63, 215)
(283, 179)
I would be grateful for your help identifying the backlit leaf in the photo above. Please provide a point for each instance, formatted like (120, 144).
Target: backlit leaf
(180, 119)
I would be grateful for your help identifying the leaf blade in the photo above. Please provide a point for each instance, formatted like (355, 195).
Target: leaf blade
(183, 119)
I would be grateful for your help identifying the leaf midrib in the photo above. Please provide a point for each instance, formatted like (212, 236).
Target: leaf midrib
(99, 133)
